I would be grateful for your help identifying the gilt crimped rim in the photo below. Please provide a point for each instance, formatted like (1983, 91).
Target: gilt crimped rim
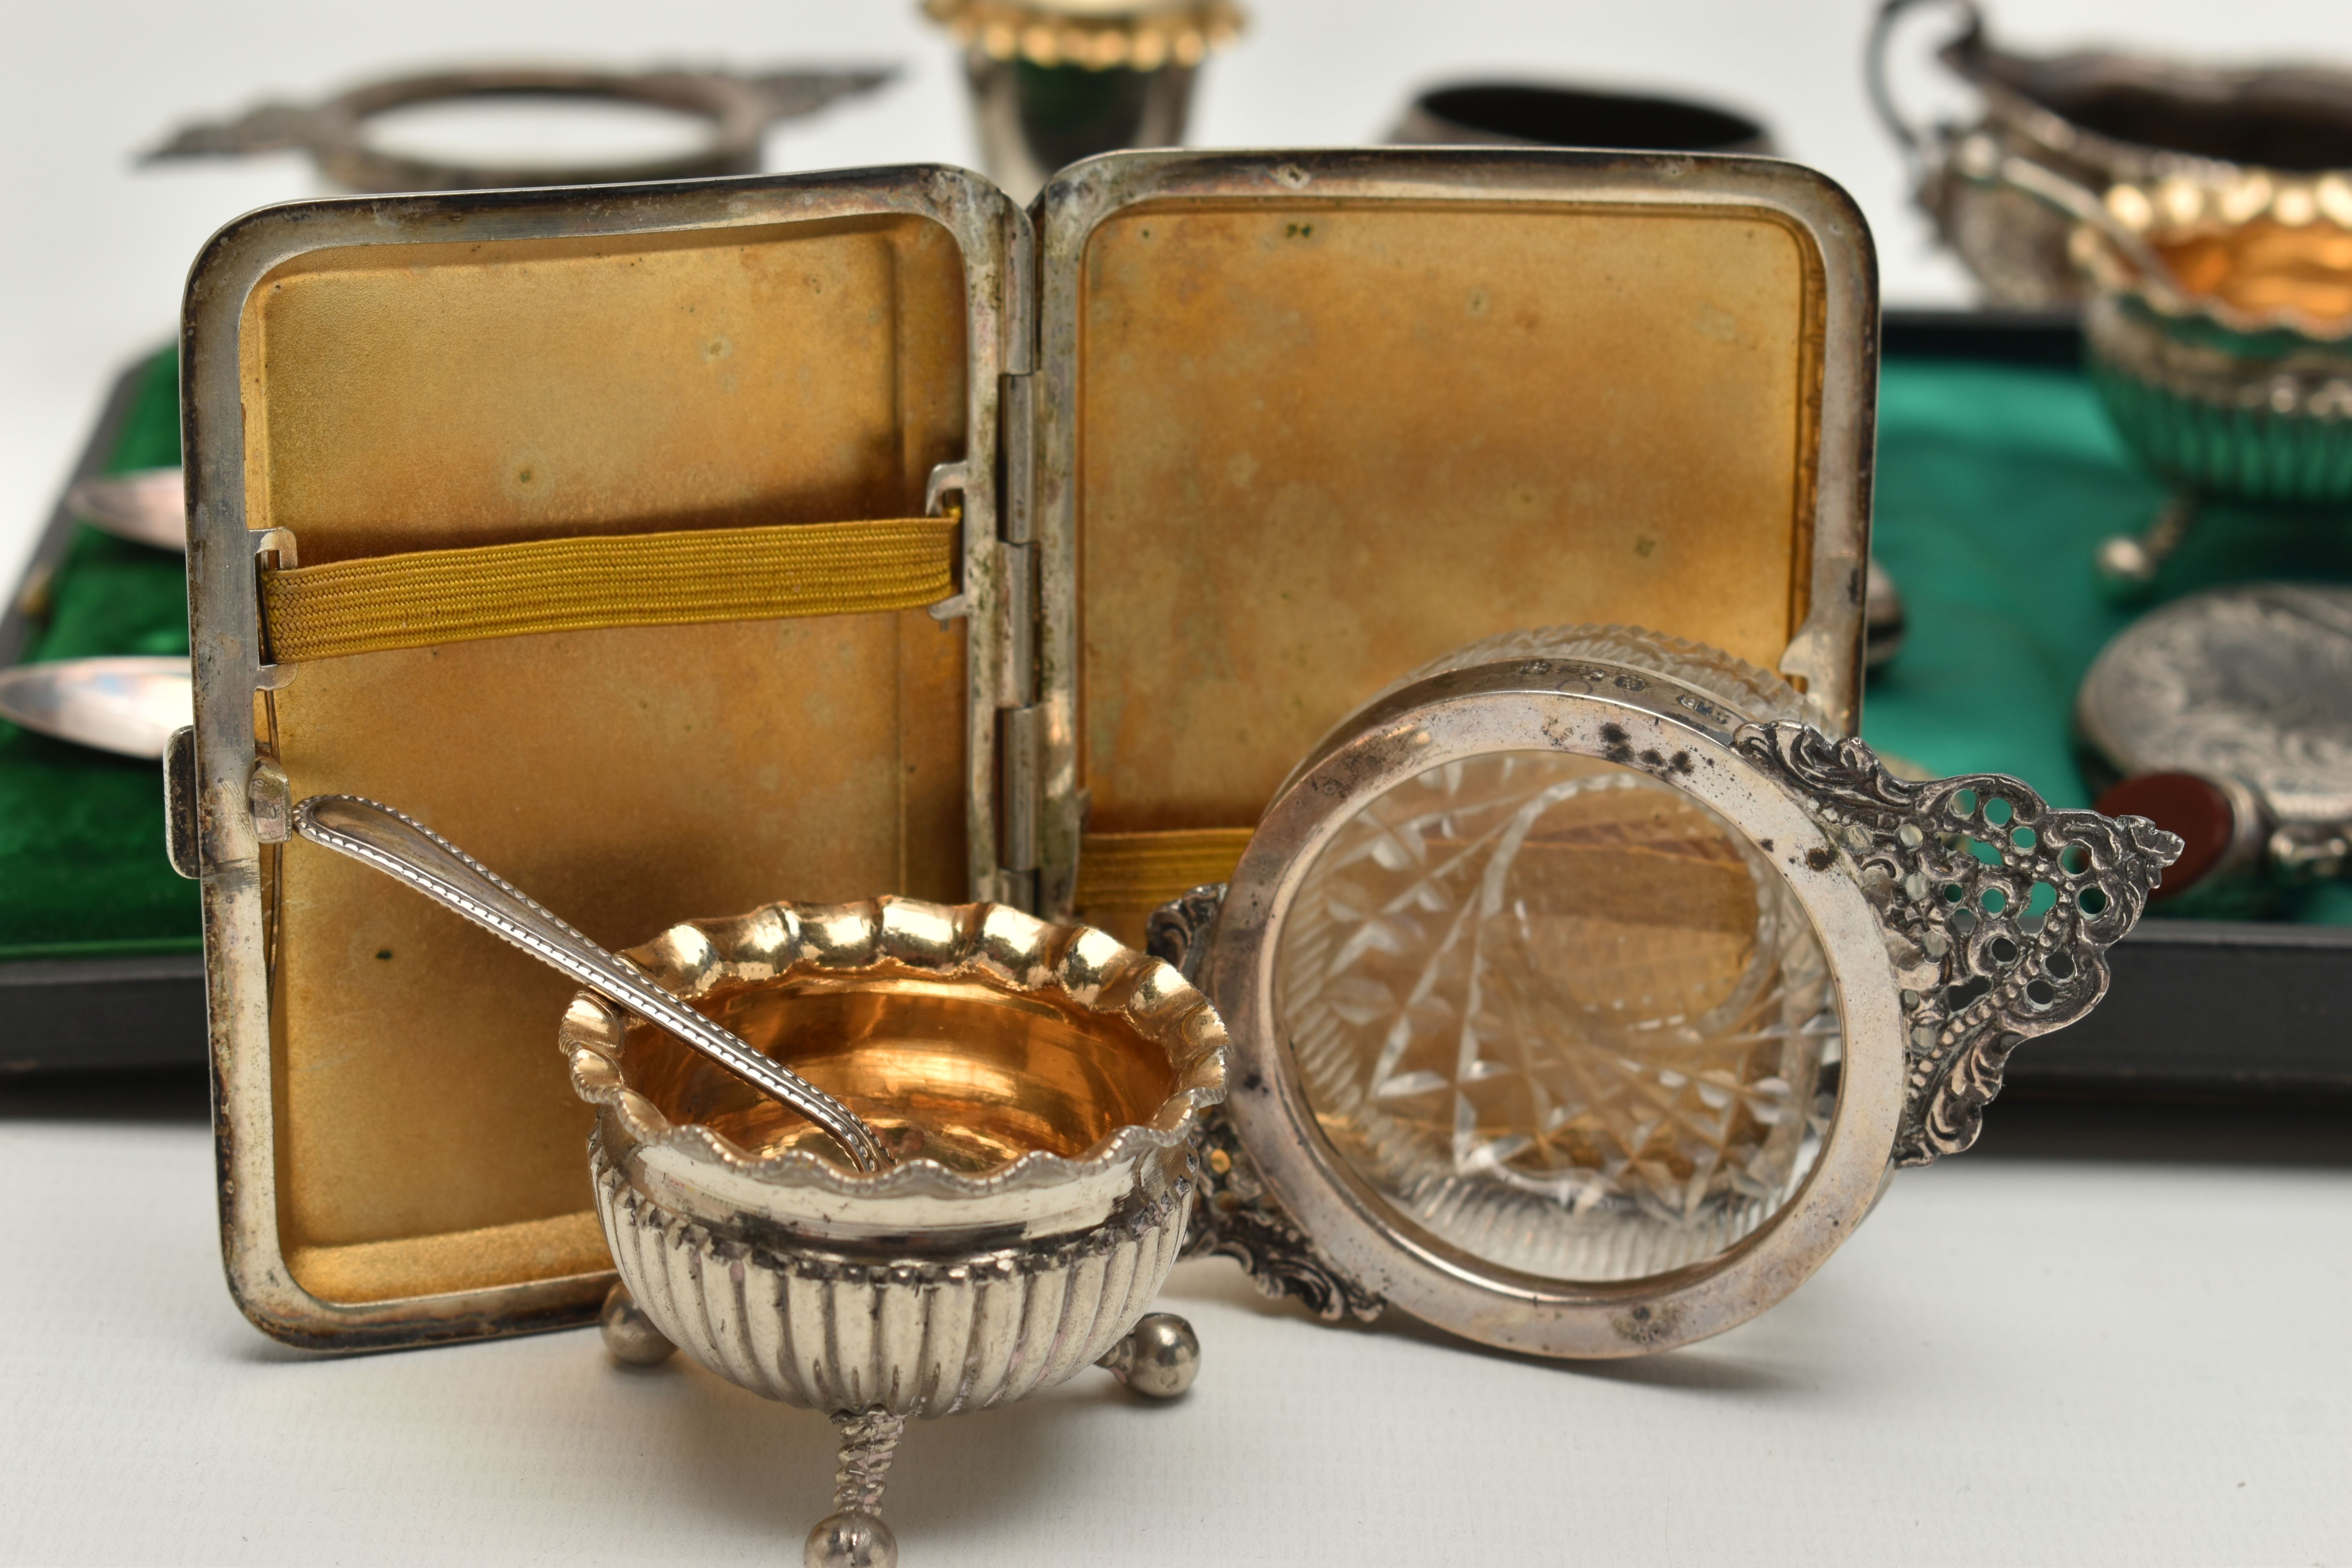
(1092, 971)
(2182, 208)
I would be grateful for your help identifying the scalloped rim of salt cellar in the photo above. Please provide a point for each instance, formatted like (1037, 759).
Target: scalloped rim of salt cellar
(2215, 207)
(705, 1174)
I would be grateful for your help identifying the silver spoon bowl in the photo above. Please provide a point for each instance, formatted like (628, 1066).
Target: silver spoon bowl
(129, 704)
(149, 506)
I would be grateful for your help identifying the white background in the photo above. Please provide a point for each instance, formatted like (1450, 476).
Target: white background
(2015, 1361)
(96, 250)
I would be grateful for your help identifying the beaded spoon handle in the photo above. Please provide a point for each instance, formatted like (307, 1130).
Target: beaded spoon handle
(415, 856)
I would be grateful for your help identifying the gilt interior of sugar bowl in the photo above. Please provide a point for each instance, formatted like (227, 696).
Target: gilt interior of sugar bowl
(988, 1051)
(966, 1072)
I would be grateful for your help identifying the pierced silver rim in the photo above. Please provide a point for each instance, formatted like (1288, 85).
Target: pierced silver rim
(1555, 706)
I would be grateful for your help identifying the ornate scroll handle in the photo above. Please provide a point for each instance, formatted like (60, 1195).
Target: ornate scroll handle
(1997, 911)
(1236, 1218)
(1177, 932)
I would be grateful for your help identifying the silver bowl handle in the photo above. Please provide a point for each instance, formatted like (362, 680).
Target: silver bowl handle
(1912, 139)
(1980, 161)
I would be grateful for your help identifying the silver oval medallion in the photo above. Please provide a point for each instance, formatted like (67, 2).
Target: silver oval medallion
(2251, 682)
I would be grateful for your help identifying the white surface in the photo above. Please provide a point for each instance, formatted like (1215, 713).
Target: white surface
(2012, 1362)
(98, 249)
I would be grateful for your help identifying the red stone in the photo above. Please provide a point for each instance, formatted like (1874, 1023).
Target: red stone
(2192, 806)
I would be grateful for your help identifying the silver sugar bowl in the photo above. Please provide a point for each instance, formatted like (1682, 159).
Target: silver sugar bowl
(1038, 1088)
(2098, 119)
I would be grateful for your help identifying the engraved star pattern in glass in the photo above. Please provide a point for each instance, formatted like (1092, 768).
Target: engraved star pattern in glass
(1561, 1015)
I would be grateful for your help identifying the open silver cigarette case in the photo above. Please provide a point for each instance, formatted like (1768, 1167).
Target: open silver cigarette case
(1174, 558)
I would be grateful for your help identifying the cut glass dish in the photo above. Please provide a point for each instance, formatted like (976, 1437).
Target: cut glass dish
(1561, 1015)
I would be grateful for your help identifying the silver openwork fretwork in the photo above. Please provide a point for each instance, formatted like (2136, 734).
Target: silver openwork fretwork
(1998, 908)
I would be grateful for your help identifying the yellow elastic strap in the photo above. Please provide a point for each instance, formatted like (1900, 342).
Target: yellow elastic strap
(434, 596)
(1130, 873)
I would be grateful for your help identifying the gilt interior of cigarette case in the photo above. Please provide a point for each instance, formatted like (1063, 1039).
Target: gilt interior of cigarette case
(628, 777)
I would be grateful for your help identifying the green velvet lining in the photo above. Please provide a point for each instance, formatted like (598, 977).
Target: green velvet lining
(82, 872)
(1994, 486)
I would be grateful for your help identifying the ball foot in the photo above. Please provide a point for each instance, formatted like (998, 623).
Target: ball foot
(1159, 1358)
(2127, 565)
(630, 1337)
(1884, 619)
(852, 1535)
(851, 1539)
